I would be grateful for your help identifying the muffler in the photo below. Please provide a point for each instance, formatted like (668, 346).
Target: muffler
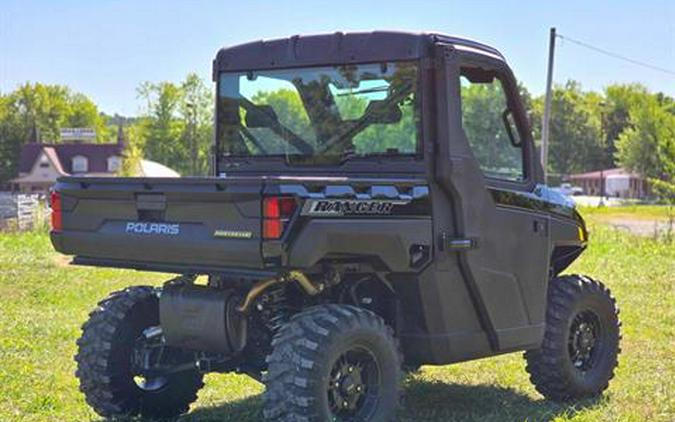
(202, 318)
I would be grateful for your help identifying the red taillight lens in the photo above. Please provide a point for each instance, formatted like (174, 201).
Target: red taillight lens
(277, 210)
(272, 229)
(55, 203)
(287, 207)
(271, 208)
(279, 207)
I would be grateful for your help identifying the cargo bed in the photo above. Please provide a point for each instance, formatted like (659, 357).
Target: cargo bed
(163, 224)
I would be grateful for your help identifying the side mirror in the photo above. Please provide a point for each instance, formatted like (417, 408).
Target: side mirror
(383, 112)
(511, 128)
(261, 116)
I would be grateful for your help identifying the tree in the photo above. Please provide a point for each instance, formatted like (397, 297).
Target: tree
(197, 109)
(44, 109)
(131, 165)
(526, 99)
(576, 138)
(290, 112)
(160, 126)
(618, 100)
(11, 137)
(52, 107)
(647, 145)
(176, 125)
(482, 108)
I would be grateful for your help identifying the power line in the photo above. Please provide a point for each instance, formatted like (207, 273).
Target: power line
(617, 56)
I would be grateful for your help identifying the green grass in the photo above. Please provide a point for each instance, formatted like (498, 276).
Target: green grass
(43, 302)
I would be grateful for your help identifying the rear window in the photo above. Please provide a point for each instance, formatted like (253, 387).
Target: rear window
(322, 114)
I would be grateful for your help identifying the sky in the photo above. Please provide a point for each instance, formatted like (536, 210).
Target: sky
(106, 48)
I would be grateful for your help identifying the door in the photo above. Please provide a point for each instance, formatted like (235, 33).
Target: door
(502, 243)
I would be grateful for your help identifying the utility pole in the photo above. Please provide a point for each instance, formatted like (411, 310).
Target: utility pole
(547, 106)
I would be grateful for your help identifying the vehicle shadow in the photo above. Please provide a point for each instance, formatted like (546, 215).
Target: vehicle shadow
(431, 401)
(427, 401)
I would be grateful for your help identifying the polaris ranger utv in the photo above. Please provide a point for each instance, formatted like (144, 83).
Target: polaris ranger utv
(376, 205)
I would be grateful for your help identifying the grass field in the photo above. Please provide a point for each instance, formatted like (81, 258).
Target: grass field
(637, 212)
(43, 302)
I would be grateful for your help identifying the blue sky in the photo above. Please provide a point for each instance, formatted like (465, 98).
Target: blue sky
(106, 48)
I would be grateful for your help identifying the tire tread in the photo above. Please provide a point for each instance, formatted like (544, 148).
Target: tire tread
(545, 365)
(95, 353)
(292, 365)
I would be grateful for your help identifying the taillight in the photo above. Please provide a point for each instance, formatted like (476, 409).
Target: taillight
(55, 203)
(272, 229)
(277, 210)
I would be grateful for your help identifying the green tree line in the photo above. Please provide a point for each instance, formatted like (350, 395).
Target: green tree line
(173, 128)
(623, 125)
(41, 109)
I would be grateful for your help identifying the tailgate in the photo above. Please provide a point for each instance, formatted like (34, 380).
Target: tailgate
(182, 222)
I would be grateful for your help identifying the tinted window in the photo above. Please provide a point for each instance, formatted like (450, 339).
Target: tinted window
(489, 125)
(319, 115)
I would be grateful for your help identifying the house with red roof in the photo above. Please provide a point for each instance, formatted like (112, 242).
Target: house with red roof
(40, 164)
(615, 182)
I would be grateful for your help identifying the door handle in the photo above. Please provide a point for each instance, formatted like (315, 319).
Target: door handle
(540, 227)
(457, 244)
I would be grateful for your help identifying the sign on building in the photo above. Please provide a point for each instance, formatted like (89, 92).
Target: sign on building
(78, 134)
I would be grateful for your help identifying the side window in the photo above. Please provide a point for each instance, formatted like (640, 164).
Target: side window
(80, 164)
(114, 163)
(489, 125)
(44, 162)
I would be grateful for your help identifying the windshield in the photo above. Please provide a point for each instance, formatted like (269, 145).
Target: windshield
(321, 114)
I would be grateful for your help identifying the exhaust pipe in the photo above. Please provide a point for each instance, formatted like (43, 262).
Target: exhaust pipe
(308, 286)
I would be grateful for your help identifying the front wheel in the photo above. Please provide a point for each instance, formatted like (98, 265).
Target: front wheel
(113, 348)
(581, 345)
(333, 363)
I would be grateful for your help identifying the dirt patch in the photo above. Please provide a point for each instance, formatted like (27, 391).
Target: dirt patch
(62, 260)
(641, 227)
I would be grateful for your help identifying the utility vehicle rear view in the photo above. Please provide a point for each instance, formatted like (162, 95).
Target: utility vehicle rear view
(376, 205)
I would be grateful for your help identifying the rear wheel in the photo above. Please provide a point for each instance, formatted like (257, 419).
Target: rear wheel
(116, 343)
(333, 362)
(581, 344)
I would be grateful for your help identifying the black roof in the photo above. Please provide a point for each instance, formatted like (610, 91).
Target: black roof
(337, 48)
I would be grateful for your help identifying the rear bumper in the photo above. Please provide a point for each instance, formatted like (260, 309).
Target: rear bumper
(174, 268)
(145, 262)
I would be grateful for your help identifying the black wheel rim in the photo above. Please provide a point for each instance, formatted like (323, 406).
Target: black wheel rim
(354, 385)
(146, 353)
(585, 340)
